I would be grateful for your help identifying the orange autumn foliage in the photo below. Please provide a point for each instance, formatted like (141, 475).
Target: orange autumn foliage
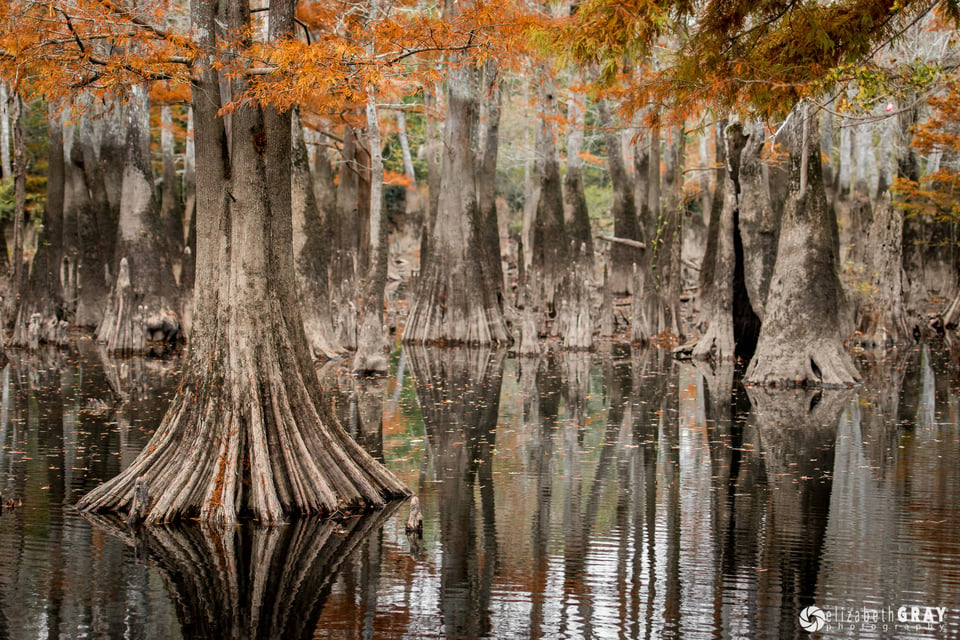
(57, 49)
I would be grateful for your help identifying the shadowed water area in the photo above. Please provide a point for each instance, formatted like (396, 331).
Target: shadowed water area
(618, 494)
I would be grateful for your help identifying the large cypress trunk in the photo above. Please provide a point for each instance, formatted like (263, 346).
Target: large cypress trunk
(718, 312)
(248, 433)
(549, 233)
(759, 221)
(881, 320)
(487, 176)
(99, 161)
(457, 301)
(576, 214)
(310, 252)
(800, 341)
(624, 213)
(143, 307)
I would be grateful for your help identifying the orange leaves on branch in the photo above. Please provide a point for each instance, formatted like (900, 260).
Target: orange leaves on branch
(936, 194)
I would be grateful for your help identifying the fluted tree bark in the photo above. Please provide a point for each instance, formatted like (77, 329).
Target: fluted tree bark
(311, 249)
(800, 341)
(143, 307)
(248, 433)
(457, 299)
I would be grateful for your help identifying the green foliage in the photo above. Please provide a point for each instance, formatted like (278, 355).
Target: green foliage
(36, 198)
(35, 136)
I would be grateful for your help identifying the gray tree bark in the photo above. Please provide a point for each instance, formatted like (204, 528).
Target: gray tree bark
(20, 201)
(171, 203)
(800, 341)
(624, 211)
(550, 250)
(661, 295)
(41, 298)
(248, 433)
(371, 357)
(310, 251)
(718, 340)
(143, 308)
(576, 214)
(6, 168)
(487, 175)
(881, 320)
(456, 302)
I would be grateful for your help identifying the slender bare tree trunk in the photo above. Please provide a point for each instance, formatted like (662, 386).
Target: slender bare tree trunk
(20, 198)
(248, 432)
(653, 181)
(311, 250)
(6, 168)
(371, 355)
(41, 303)
(413, 204)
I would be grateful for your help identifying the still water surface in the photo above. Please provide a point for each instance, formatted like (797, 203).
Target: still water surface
(619, 494)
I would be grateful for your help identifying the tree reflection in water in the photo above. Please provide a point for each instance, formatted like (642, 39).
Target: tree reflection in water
(249, 581)
(613, 494)
(459, 392)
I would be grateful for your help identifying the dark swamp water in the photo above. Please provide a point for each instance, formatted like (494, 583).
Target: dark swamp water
(619, 494)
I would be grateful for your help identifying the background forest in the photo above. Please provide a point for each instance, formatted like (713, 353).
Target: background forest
(600, 142)
(769, 181)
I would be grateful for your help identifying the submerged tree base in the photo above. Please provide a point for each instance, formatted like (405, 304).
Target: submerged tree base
(255, 442)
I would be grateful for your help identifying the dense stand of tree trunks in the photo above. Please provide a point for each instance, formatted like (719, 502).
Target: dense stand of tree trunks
(549, 237)
(248, 432)
(719, 339)
(370, 357)
(41, 304)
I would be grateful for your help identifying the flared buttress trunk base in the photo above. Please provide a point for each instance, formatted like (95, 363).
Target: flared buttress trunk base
(246, 437)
